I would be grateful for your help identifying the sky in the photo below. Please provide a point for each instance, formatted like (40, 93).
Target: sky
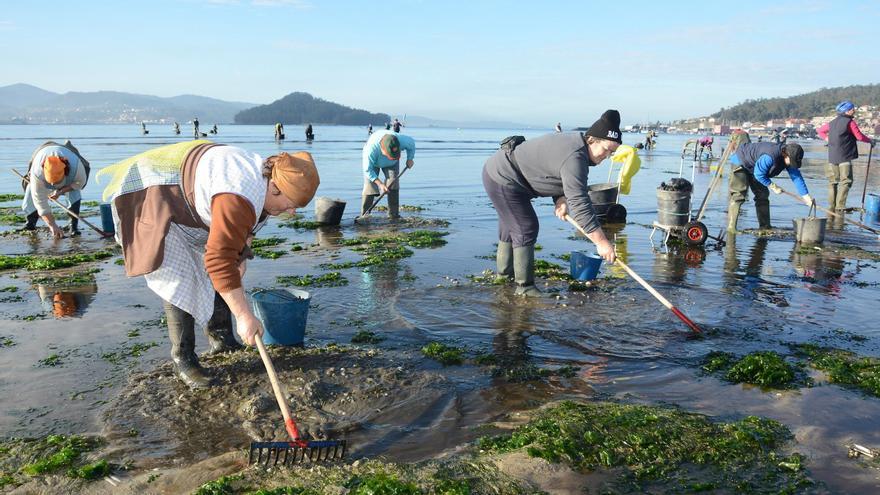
(533, 62)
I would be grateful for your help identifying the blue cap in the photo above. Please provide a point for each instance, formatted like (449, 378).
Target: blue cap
(845, 106)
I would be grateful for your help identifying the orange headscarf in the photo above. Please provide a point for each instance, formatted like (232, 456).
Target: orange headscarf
(54, 169)
(296, 176)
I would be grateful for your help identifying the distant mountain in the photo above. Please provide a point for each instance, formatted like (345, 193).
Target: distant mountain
(23, 95)
(109, 107)
(821, 102)
(303, 108)
(419, 121)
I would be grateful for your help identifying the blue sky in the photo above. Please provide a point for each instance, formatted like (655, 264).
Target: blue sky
(529, 62)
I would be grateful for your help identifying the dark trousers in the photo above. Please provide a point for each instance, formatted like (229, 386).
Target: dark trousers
(517, 220)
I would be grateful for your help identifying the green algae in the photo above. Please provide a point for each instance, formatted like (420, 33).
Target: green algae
(221, 486)
(844, 368)
(331, 279)
(301, 224)
(34, 262)
(50, 361)
(489, 277)
(47, 455)
(93, 471)
(515, 371)
(649, 445)
(268, 253)
(411, 208)
(267, 242)
(382, 484)
(366, 337)
(11, 197)
(74, 279)
(550, 271)
(444, 354)
(6, 341)
(128, 351)
(767, 369)
(10, 288)
(8, 216)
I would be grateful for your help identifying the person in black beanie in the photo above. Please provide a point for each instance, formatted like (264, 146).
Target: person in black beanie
(554, 165)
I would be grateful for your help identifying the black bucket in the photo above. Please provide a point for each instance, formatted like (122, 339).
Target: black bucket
(329, 211)
(604, 197)
(673, 207)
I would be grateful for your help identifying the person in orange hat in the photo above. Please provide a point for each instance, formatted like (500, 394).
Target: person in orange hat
(188, 235)
(55, 170)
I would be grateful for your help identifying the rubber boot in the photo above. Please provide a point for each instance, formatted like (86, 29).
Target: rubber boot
(524, 271)
(181, 331)
(73, 227)
(31, 223)
(367, 201)
(733, 215)
(504, 261)
(219, 329)
(832, 196)
(762, 211)
(394, 203)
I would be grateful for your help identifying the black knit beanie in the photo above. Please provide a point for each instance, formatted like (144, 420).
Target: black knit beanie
(607, 127)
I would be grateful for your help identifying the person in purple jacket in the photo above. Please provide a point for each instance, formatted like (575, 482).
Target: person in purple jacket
(841, 134)
(754, 164)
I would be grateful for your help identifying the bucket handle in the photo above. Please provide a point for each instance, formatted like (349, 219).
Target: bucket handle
(812, 213)
(283, 294)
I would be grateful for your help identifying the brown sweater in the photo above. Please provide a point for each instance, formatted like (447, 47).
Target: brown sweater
(232, 218)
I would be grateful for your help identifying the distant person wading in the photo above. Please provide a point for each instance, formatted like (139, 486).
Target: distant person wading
(554, 165)
(842, 133)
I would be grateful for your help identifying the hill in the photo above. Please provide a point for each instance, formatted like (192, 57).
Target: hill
(24, 103)
(821, 102)
(303, 108)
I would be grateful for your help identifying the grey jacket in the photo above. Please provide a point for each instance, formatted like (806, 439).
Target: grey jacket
(552, 165)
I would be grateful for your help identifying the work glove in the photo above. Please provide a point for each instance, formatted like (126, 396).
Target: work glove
(808, 199)
(409, 164)
(776, 189)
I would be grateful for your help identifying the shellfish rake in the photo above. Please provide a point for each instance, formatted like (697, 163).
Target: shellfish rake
(297, 449)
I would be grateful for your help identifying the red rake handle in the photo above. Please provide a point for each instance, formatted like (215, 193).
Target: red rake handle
(677, 312)
(279, 393)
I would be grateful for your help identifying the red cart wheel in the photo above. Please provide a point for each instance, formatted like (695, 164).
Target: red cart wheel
(695, 233)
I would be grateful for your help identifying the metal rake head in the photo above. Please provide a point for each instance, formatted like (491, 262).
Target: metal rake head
(289, 453)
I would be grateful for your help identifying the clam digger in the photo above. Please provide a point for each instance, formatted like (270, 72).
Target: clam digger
(55, 170)
(554, 165)
(753, 165)
(184, 215)
(382, 153)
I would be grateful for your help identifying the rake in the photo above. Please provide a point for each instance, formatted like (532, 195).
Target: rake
(297, 450)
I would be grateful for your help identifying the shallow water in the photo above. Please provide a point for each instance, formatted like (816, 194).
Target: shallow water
(754, 292)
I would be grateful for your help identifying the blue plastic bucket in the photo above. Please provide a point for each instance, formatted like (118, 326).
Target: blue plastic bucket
(107, 218)
(584, 266)
(872, 204)
(284, 313)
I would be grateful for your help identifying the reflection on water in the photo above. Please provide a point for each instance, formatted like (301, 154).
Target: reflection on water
(66, 301)
(823, 271)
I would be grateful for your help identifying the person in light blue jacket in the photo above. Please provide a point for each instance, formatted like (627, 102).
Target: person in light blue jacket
(382, 152)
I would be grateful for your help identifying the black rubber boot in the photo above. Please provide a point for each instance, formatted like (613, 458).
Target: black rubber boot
(762, 211)
(394, 203)
(504, 260)
(73, 227)
(181, 331)
(31, 223)
(367, 201)
(219, 329)
(524, 271)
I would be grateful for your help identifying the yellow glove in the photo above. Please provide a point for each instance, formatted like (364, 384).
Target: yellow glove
(776, 189)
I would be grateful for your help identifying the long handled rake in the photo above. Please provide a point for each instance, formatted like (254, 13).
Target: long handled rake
(296, 450)
(677, 312)
(69, 211)
(867, 172)
(376, 203)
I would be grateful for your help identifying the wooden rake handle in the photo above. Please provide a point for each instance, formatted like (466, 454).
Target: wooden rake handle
(832, 213)
(376, 203)
(69, 212)
(279, 392)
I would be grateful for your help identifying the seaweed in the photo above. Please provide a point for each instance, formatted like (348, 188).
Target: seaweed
(34, 262)
(649, 445)
(444, 354)
(844, 367)
(331, 279)
(382, 484)
(766, 369)
(366, 337)
(268, 253)
(267, 242)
